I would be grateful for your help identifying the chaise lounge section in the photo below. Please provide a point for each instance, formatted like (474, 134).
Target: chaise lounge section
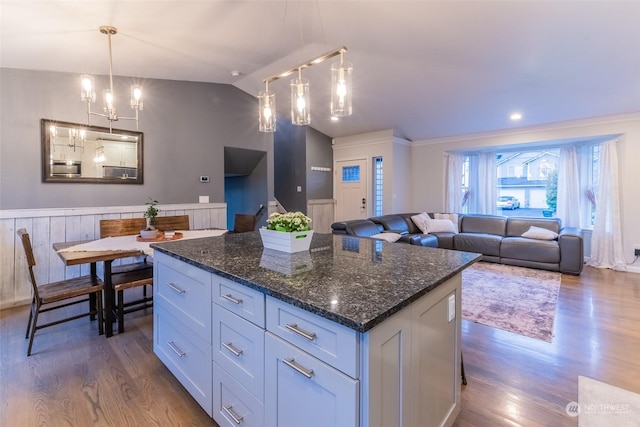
(521, 241)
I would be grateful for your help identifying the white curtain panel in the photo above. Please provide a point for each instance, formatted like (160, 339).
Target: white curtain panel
(606, 240)
(487, 194)
(453, 195)
(568, 207)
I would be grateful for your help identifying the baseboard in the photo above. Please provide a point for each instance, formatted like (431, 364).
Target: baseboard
(632, 269)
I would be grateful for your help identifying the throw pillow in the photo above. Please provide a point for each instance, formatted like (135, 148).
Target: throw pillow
(450, 216)
(419, 220)
(539, 233)
(389, 237)
(440, 226)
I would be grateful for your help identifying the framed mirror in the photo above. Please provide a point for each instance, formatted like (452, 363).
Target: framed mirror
(72, 152)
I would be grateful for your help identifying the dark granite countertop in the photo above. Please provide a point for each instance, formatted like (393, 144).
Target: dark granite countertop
(352, 281)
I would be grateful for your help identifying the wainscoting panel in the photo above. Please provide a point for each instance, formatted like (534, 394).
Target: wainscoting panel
(321, 212)
(48, 226)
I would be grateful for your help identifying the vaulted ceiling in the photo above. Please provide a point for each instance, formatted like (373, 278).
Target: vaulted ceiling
(427, 69)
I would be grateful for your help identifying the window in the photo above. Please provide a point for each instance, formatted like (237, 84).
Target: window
(377, 186)
(527, 181)
(351, 174)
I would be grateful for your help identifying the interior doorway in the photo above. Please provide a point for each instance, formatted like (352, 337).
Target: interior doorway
(245, 184)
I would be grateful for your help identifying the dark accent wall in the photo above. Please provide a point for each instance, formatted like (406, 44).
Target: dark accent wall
(296, 150)
(289, 161)
(186, 126)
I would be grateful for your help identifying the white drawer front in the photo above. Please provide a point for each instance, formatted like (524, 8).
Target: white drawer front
(241, 300)
(335, 344)
(186, 355)
(233, 405)
(238, 346)
(187, 290)
(303, 391)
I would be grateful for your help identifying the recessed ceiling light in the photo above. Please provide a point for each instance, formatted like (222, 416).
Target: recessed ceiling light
(335, 118)
(515, 116)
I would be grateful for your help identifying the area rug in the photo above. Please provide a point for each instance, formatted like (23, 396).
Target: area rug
(515, 299)
(601, 404)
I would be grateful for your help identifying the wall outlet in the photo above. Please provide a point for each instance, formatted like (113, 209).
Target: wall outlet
(636, 252)
(452, 307)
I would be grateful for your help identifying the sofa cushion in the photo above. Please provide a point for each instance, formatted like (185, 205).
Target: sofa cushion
(419, 220)
(539, 233)
(450, 216)
(392, 222)
(362, 228)
(388, 237)
(445, 240)
(530, 249)
(488, 224)
(516, 226)
(486, 244)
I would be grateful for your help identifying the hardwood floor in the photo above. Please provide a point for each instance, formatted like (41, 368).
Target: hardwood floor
(77, 378)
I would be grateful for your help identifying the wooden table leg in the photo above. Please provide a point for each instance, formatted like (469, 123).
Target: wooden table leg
(92, 297)
(108, 300)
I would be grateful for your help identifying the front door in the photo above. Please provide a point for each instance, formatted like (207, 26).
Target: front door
(352, 182)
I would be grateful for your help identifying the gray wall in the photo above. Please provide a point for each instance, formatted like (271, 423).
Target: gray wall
(297, 149)
(185, 124)
(319, 154)
(290, 164)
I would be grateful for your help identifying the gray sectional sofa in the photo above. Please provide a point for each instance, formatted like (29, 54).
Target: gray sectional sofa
(498, 238)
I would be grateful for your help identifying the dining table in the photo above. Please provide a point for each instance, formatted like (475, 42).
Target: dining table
(109, 249)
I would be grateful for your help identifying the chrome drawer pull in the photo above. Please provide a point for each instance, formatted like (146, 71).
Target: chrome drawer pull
(236, 419)
(232, 349)
(175, 348)
(229, 297)
(293, 327)
(176, 289)
(304, 371)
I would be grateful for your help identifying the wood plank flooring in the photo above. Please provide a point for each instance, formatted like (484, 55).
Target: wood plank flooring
(77, 378)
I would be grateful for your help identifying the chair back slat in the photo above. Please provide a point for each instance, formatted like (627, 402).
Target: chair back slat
(26, 243)
(31, 259)
(243, 223)
(174, 222)
(132, 226)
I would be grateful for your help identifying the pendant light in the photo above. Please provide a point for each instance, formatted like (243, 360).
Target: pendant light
(88, 93)
(300, 101)
(341, 88)
(267, 110)
(341, 93)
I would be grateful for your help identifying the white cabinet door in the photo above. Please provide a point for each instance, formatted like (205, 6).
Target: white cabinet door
(300, 390)
(120, 154)
(128, 155)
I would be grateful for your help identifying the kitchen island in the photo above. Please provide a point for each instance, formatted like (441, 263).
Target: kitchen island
(353, 332)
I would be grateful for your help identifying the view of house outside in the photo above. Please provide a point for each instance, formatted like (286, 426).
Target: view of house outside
(529, 177)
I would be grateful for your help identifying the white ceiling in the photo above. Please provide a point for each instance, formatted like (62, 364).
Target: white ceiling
(427, 69)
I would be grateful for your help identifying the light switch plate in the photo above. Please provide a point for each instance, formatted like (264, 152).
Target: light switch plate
(452, 307)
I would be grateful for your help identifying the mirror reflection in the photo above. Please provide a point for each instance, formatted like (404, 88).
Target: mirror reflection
(80, 153)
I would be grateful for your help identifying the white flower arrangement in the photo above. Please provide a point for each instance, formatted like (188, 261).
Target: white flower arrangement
(288, 222)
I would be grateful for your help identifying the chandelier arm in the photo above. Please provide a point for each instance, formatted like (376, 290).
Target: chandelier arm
(306, 64)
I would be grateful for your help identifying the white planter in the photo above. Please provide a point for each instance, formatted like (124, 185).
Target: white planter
(286, 242)
(286, 263)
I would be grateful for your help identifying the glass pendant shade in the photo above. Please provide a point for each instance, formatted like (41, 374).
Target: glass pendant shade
(341, 89)
(267, 111)
(300, 102)
(109, 108)
(136, 97)
(87, 88)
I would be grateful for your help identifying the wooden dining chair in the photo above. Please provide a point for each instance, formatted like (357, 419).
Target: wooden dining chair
(55, 295)
(138, 274)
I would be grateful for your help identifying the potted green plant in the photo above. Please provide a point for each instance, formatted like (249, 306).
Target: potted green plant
(289, 232)
(150, 214)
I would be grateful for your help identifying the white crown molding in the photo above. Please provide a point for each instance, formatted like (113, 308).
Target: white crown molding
(604, 120)
(48, 212)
